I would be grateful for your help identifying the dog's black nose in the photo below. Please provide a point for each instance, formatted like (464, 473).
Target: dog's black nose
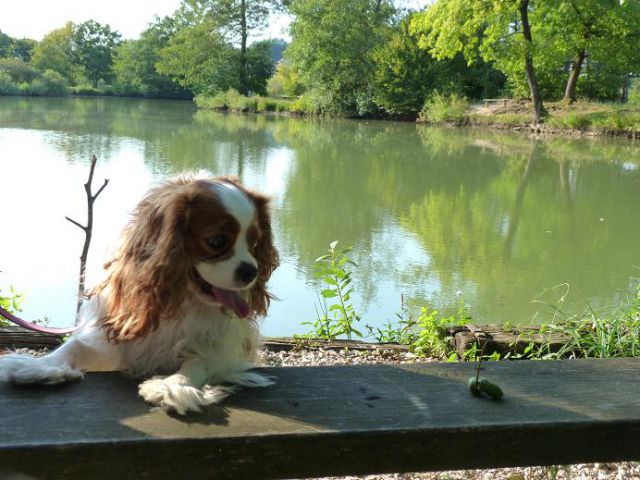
(246, 273)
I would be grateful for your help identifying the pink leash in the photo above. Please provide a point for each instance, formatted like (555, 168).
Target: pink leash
(33, 326)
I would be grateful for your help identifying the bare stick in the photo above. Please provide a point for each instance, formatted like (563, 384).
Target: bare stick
(87, 229)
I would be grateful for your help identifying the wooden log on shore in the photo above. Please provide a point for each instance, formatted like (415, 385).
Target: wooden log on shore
(17, 337)
(504, 340)
(499, 339)
(279, 344)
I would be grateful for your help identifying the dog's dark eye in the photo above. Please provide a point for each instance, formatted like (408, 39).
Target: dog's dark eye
(218, 242)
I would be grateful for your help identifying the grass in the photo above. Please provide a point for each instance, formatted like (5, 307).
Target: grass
(609, 332)
(581, 117)
(440, 108)
(232, 100)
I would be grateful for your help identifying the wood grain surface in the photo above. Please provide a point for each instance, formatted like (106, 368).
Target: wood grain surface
(329, 421)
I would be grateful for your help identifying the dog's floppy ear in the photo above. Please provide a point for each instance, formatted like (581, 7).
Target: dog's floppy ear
(265, 253)
(148, 278)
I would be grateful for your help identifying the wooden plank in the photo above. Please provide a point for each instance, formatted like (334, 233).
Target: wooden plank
(16, 337)
(330, 421)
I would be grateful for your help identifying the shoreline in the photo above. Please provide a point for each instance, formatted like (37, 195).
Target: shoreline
(472, 119)
(526, 128)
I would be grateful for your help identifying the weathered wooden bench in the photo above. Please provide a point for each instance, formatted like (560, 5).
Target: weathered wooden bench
(320, 421)
(503, 101)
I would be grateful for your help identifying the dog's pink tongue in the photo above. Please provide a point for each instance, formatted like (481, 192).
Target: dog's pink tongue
(232, 301)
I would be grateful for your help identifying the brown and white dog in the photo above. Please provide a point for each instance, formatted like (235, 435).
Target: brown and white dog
(181, 298)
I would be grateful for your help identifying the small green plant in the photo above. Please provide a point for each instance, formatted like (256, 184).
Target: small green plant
(479, 386)
(432, 337)
(428, 334)
(402, 332)
(11, 303)
(337, 315)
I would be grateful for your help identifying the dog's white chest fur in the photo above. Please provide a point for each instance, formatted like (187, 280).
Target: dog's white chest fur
(205, 332)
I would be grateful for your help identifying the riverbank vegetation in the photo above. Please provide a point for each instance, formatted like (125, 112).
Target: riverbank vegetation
(357, 58)
(603, 333)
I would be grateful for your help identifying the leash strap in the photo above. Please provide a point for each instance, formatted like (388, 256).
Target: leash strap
(33, 327)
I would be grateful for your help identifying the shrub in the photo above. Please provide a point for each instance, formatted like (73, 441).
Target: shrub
(19, 71)
(303, 104)
(235, 101)
(439, 108)
(85, 89)
(232, 100)
(576, 121)
(27, 89)
(266, 104)
(616, 121)
(215, 102)
(7, 85)
(285, 81)
(55, 84)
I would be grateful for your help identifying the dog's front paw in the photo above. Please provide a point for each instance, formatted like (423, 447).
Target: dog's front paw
(175, 394)
(23, 369)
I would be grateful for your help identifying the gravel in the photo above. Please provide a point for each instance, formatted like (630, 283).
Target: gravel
(323, 357)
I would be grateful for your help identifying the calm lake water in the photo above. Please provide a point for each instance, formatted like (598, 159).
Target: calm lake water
(494, 220)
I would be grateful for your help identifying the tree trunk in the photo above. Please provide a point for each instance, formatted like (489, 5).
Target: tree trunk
(624, 98)
(243, 47)
(572, 82)
(528, 62)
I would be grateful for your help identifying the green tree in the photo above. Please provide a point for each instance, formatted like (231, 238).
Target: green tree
(332, 47)
(22, 48)
(496, 30)
(259, 66)
(406, 74)
(236, 20)
(134, 63)
(93, 47)
(6, 43)
(16, 47)
(286, 81)
(19, 71)
(55, 52)
(200, 59)
(599, 33)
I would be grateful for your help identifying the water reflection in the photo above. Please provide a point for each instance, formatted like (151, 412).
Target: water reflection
(494, 217)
